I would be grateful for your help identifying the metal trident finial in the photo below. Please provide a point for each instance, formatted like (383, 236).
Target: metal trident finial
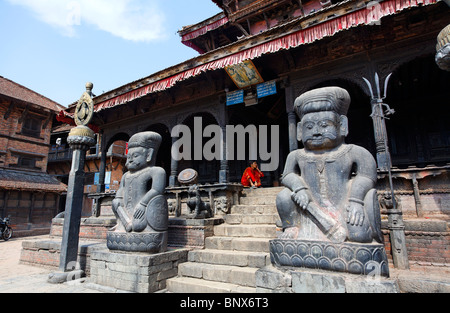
(378, 97)
(377, 84)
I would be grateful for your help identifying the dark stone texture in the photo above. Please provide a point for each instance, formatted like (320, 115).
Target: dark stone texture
(355, 258)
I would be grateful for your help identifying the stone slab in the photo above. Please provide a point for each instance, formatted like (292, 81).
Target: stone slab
(273, 279)
(135, 271)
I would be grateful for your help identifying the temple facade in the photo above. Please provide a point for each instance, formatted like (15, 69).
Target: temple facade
(256, 57)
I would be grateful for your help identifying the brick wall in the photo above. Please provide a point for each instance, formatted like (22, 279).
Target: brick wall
(90, 228)
(47, 254)
(427, 242)
(13, 141)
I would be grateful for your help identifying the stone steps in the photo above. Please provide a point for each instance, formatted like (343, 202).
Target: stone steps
(263, 218)
(254, 209)
(195, 285)
(230, 257)
(260, 200)
(257, 230)
(237, 243)
(244, 276)
(237, 250)
(273, 191)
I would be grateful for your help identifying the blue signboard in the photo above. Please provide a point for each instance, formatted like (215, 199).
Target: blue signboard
(266, 89)
(235, 97)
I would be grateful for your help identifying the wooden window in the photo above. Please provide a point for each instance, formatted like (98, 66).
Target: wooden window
(32, 127)
(26, 161)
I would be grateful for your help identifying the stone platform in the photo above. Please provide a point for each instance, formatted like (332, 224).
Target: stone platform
(46, 253)
(271, 279)
(135, 271)
(91, 228)
(191, 233)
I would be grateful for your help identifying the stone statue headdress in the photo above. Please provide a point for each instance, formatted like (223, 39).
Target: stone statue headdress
(333, 99)
(148, 140)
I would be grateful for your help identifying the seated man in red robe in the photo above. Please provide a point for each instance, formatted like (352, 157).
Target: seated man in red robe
(252, 176)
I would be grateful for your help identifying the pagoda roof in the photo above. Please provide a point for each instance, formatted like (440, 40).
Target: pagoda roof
(300, 31)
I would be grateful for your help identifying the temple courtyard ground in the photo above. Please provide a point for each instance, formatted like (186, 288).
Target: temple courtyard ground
(19, 278)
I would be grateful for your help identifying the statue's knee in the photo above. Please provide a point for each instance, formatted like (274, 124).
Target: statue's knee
(287, 209)
(284, 198)
(361, 234)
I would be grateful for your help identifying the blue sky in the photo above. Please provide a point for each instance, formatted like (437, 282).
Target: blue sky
(55, 46)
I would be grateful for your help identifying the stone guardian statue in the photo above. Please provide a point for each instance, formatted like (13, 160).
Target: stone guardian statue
(140, 205)
(329, 210)
(330, 186)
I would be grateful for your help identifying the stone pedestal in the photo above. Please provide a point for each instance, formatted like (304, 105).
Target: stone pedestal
(356, 258)
(135, 272)
(220, 196)
(191, 233)
(272, 279)
(150, 242)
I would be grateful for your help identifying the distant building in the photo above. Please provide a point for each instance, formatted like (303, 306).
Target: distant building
(28, 194)
(60, 158)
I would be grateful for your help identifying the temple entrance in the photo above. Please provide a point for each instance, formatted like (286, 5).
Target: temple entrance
(268, 111)
(208, 171)
(359, 121)
(419, 131)
(164, 153)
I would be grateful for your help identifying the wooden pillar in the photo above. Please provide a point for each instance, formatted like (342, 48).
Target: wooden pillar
(224, 169)
(5, 203)
(31, 209)
(292, 119)
(102, 170)
(293, 140)
(173, 167)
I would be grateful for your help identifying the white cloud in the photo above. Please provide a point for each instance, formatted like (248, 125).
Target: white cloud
(136, 20)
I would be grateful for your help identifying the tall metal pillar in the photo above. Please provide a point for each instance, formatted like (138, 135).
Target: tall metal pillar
(80, 139)
(395, 215)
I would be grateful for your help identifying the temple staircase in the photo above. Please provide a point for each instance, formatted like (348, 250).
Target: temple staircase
(239, 247)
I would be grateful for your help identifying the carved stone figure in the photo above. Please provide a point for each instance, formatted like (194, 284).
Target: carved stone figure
(329, 191)
(329, 209)
(200, 208)
(443, 49)
(140, 205)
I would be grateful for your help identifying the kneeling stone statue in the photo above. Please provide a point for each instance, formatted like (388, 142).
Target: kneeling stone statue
(330, 195)
(140, 205)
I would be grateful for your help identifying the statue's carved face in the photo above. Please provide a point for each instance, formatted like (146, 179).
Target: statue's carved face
(322, 130)
(137, 159)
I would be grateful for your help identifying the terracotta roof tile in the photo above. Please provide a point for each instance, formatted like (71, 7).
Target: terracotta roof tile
(19, 92)
(18, 180)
